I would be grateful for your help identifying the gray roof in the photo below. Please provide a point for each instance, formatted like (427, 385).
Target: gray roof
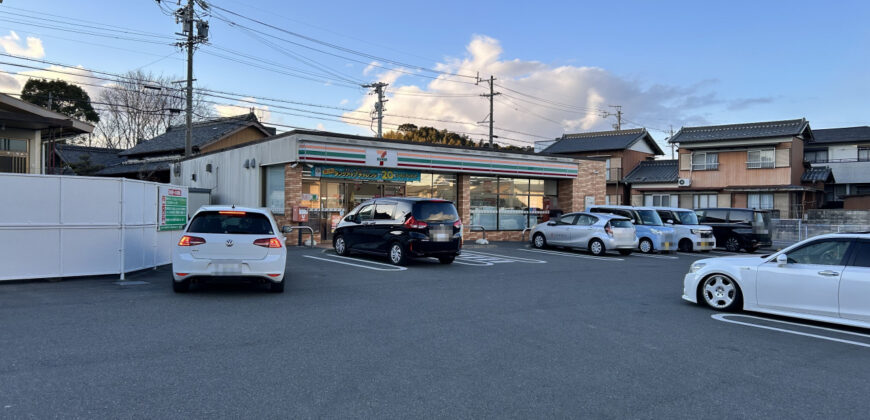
(842, 135)
(785, 128)
(203, 133)
(817, 174)
(654, 171)
(602, 140)
(136, 168)
(98, 156)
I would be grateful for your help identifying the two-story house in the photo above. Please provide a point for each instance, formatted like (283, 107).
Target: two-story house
(847, 152)
(756, 165)
(621, 151)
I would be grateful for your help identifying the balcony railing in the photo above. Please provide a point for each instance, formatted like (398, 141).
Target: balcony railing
(613, 174)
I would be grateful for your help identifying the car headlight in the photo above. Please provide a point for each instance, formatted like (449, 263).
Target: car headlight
(696, 231)
(696, 266)
(656, 231)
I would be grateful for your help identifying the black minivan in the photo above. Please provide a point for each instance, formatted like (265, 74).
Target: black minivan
(401, 228)
(737, 229)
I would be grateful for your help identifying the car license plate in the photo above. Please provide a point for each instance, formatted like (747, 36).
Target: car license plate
(228, 269)
(441, 237)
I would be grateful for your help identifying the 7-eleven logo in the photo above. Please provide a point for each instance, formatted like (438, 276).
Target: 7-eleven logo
(382, 157)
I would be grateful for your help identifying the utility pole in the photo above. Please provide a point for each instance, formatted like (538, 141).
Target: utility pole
(491, 95)
(379, 88)
(187, 17)
(618, 115)
(669, 141)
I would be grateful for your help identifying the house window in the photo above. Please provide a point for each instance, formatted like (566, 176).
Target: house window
(760, 201)
(757, 159)
(816, 156)
(864, 154)
(659, 200)
(13, 156)
(705, 161)
(705, 200)
(273, 196)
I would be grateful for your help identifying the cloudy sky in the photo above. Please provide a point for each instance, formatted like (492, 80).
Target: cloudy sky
(560, 66)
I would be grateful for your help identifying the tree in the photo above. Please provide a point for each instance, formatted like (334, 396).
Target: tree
(410, 132)
(141, 106)
(60, 96)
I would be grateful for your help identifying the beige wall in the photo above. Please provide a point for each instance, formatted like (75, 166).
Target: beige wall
(245, 135)
(781, 203)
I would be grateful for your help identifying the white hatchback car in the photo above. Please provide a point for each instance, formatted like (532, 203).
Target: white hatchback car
(230, 242)
(825, 278)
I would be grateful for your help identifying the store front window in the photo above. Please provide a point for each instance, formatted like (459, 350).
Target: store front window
(501, 203)
(431, 185)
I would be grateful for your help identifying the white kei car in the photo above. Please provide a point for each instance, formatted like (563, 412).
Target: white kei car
(825, 278)
(232, 243)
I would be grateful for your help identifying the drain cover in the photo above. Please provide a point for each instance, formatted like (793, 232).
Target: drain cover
(131, 283)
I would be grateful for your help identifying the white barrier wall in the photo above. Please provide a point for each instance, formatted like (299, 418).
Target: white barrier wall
(65, 226)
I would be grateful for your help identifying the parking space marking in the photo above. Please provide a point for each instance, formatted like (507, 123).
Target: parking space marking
(724, 318)
(661, 257)
(725, 253)
(332, 260)
(567, 254)
(506, 258)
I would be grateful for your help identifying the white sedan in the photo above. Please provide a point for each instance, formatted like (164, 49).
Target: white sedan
(825, 278)
(230, 242)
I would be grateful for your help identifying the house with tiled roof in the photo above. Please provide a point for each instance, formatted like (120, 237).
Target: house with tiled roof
(622, 151)
(151, 159)
(755, 165)
(75, 159)
(846, 151)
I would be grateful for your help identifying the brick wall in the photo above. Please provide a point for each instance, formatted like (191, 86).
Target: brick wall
(292, 193)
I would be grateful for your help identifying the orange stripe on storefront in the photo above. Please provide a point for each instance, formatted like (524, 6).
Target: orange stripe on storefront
(504, 162)
(338, 149)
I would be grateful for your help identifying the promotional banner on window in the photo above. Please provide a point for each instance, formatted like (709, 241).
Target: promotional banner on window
(365, 174)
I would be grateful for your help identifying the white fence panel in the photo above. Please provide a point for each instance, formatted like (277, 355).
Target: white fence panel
(62, 226)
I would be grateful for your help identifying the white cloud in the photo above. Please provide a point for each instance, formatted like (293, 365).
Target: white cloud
(31, 48)
(344, 102)
(371, 67)
(77, 76)
(243, 107)
(574, 97)
(320, 126)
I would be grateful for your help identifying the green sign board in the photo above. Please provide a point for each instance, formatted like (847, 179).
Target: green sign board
(171, 208)
(365, 174)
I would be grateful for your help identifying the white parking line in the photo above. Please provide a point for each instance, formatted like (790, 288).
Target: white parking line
(507, 258)
(722, 317)
(474, 264)
(661, 257)
(567, 254)
(332, 260)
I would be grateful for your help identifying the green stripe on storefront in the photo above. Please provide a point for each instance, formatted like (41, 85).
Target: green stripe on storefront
(331, 154)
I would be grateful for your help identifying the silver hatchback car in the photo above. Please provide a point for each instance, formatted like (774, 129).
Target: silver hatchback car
(597, 233)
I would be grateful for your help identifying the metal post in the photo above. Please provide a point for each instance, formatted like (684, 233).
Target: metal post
(188, 146)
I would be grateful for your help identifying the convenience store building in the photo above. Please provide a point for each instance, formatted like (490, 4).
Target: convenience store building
(322, 176)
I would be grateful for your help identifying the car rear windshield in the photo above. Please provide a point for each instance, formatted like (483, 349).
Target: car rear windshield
(620, 223)
(237, 222)
(650, 217)
(435, 211)
(687, 217)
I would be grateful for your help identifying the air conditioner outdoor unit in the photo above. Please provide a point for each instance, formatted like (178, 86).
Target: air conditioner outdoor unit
(684, 182)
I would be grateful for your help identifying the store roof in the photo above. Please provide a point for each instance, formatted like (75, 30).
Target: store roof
(15, 113)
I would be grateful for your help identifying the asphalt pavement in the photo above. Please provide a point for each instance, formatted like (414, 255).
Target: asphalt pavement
(506, 331)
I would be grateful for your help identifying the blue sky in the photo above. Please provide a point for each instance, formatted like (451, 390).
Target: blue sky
(667, 63)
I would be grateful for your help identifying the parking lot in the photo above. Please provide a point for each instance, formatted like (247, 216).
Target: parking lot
(505, 331)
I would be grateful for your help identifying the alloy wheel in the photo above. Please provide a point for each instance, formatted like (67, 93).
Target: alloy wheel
(539, 241)
(396, 253)
(596, 248)
(732, 244)
(719, 292)
(646, 246)
(339, 246)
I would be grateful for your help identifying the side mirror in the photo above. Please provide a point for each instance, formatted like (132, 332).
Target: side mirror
(670, 222)
(286, 229)
(781, 260)
(551, 223)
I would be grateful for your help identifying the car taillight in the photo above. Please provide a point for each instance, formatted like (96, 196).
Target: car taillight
(457, 224)
(190, 241)
(268, 243)
(413, 223)
(232, 213)
(608, 229)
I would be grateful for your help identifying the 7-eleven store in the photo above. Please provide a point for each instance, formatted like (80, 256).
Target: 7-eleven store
(327, 174)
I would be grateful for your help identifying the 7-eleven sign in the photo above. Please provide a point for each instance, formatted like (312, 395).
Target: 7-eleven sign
(381, 158)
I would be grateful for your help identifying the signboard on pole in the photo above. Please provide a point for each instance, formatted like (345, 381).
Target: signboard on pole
(365, 174)
(171, 207)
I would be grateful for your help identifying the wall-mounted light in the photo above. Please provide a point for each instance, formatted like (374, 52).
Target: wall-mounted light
(247, 164)
(208, 167)
(253, 163)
